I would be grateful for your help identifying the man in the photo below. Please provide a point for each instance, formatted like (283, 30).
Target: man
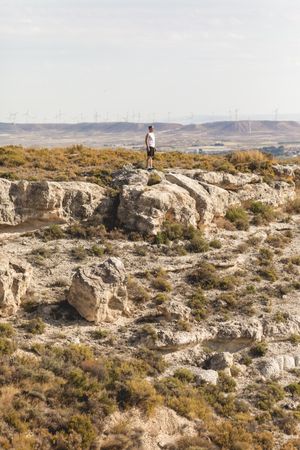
(150, 147)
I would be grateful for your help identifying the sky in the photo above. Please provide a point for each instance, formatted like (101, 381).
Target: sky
(145, 60)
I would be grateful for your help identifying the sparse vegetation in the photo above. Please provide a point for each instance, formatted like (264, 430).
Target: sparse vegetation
(239, 217)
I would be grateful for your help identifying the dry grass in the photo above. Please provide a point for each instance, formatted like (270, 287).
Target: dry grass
(96, 165)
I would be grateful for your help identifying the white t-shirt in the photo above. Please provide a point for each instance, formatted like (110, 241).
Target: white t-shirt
(151, 139)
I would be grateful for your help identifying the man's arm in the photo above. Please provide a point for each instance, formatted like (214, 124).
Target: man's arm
(146, 140)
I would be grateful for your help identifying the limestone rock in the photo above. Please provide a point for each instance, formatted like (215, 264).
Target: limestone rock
(145, 208)
(275, 193)
(128, 175)
(15, 277)
(250, 329)
(210, 200)
(220, 361)
(273, 367)
(47, 200)
(205, 376)
(99, 292)
(224, 178)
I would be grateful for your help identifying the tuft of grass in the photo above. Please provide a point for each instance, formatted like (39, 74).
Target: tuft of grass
(137, 292)
(35, 326)
(6, 330)
(263, 213)
(259, 349)
(153, 179)
(239, 217)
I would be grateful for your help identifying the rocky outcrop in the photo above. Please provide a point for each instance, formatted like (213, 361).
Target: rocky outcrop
(275, 193)
(146, 199)
(235, 329)
(15, 279)
(23, 201)
(145, 208)
(222, 178)
(273, 367)
(99, 292)
(210, 200)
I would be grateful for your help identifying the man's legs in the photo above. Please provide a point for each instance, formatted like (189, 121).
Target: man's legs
(149, 162)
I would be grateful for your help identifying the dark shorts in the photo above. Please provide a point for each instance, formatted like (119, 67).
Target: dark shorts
(151, 152)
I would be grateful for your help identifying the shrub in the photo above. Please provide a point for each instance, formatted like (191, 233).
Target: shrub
(205, 275)
(99, 334)
(53, 232)
(259, 349)
(263, 213)
(161, 298)
(294, 389)
(95, 250)
(294, 339)
(215, 243)
(183, 325)
(137, 292)
(79, 253)
(153, 179)
(265, 256)
(184, 375)
(198, 244)
(161, 284)
(6, 330)
(82, 425)
(140, 393)
(267, 395)
(35, 326)
(239, 217)
(253, 159)
(293, 207)
(268, 273)
(198, 305)
(7, 346)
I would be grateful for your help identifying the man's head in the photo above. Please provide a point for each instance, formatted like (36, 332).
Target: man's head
(150, 128)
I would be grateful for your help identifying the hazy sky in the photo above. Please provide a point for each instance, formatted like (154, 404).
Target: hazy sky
(124, 57)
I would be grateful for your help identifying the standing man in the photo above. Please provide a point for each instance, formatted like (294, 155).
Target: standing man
(150, 147)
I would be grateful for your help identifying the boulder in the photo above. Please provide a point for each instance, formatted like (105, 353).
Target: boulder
(15, 277)
(145, 208)
(210, 200)
(276, 193)
(23, 201)
(273, 367)
(225, 178)
(251, 328)
(205, 376)
(220, 361)
(99, 292)
(128, 175)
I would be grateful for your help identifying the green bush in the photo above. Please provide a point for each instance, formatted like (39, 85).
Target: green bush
(239, 217)
(7, 346)
(6, 330)
(198, 305)
(259, 349)
(82, 425)
(205, 275)
(263, 213)
(35, 326)
(137, 292)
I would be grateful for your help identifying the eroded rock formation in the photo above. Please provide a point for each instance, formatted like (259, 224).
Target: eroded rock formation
(99, 292)
(15, 276)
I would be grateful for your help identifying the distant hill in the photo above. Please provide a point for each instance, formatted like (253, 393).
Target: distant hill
(170, 135)
(242, 127)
